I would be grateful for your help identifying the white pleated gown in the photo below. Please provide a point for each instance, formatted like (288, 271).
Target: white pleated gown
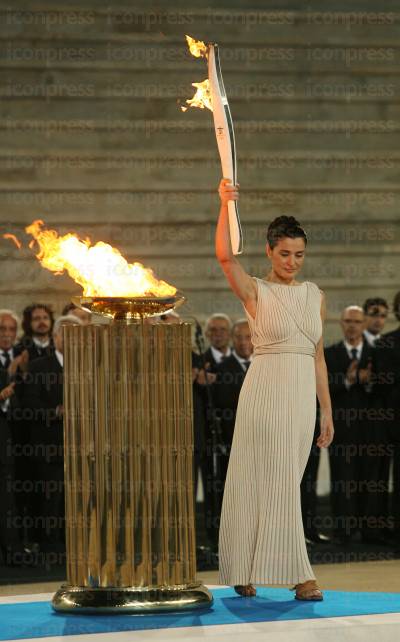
(261, 537)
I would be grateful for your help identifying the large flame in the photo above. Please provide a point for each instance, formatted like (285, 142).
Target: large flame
(197, 47)
(202, 97)
(100, 269)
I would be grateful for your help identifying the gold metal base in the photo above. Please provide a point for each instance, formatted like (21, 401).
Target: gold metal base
(72, 599)
(130, 523)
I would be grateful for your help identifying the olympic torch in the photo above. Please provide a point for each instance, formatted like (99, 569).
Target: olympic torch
(211, 94)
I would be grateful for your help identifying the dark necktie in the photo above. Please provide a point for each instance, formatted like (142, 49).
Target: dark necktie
(354, 353)
(246, 365)
(6, 359)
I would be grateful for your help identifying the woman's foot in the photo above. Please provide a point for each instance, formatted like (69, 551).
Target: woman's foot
(308, 591)
(246, 590)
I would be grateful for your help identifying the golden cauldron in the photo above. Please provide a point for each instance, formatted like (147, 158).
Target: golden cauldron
(128, 438)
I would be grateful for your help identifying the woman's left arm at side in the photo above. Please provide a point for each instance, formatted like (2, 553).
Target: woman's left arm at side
(321, 377)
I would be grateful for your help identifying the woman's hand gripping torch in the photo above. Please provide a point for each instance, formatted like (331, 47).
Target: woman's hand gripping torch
(211, 94)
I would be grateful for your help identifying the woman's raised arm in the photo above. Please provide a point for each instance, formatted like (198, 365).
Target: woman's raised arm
(241, 283)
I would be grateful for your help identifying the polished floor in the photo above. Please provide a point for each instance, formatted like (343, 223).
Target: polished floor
(349, 583)
(357, 576)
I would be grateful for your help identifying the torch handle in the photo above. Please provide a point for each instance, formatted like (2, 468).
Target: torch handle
(235, 228)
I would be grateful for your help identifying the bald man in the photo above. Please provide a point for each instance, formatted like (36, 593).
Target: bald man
(350, 364)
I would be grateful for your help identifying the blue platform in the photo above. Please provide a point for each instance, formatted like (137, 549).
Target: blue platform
(25, 620)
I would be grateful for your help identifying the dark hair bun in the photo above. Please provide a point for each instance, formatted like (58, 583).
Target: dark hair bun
(285, 220)
(284, 226)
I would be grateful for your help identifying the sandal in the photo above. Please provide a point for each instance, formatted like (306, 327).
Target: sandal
(308, 591)
(246, 590)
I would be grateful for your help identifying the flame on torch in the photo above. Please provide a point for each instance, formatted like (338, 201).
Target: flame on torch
(100, 269)
(197, 47)
(202, 97)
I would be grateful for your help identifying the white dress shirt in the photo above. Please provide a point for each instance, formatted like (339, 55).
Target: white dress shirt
(41, 344)
(5, 404)
(349, 348)
(371, 338)
(3, 356)
(241, 360)
(218, 355)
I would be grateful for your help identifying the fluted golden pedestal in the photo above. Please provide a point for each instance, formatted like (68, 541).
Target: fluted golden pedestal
(130, 528)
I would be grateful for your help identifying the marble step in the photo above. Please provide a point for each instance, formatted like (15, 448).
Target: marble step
(151, 84)
(154, 208)
(174, 55)
(272, 25)
(112, 111)
(36, 172)
(196, 131)
(164, 5)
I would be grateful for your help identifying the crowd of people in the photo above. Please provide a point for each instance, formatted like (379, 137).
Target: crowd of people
(364, 383)
(31, 432)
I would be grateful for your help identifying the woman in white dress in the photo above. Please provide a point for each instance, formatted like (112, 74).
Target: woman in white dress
(261, 538)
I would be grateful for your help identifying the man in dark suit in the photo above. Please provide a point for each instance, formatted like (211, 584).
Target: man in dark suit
(36, 342)
(350, 368)
(206, 425)
(388, 358)
(44, 400)
(10, 390)
(376, 311)
(230, 376)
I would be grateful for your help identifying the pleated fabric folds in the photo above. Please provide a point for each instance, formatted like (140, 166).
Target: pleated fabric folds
(261, 538)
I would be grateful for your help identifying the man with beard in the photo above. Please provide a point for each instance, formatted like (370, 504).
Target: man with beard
(36, 342)
(376, 312)
(37, 325)
(44, 399)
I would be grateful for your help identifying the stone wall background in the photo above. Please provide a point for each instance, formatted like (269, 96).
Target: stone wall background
(93, 140)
